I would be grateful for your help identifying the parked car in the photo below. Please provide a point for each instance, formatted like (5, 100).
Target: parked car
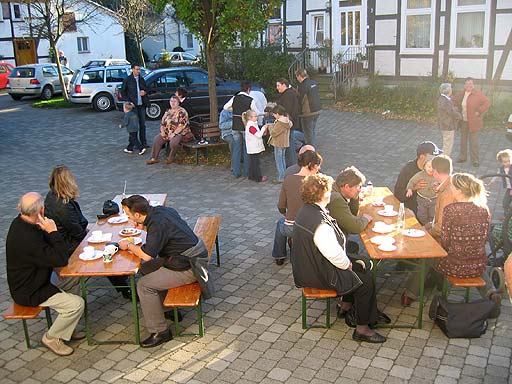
(96, 85)
(36, 80)
(105, 63)
(176, 58)
(162, 84)
(5, 70)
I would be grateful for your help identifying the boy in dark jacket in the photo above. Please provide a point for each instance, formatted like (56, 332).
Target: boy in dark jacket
(131, 123)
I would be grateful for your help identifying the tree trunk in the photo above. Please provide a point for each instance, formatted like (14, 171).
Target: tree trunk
(139, 45)
(59, 70)
(212, 83)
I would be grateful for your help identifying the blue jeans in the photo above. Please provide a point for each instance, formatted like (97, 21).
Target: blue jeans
(296, 143)
(309, 129)
(245, 155)
(282, 233)
(234, 141)
(279, 155)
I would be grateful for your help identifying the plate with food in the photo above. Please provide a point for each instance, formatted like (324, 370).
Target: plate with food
(378, 203)
(413, 232)
(134, 240)
(130, 232)
(118, 220)
(385, 213)
(382, 240)
(387, 247)
(91, 256)
(98, 240)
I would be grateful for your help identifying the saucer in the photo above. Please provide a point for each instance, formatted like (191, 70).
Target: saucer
(384, 228)
(118, 220)
(134, 240)
(106, 237)
(379, 240)
(387, 247)
(130, 232)
(97, 255)
(384, 213)
(412, 232)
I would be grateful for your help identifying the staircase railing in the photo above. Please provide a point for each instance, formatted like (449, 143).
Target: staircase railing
(347, 65)
(301, 62)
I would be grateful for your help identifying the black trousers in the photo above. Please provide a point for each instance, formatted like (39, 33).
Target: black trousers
(133, 141)
(364, 298)
(141, 113)
(254, 167)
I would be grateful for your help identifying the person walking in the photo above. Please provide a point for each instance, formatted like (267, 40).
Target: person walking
(134, 89)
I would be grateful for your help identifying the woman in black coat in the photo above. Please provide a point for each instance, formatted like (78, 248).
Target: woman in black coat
(61, 206)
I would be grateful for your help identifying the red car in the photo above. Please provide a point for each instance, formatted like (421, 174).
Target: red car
(5, 69)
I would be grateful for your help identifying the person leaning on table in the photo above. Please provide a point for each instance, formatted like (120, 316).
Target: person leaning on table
(319, 259)
(34, 247)
(165, 266)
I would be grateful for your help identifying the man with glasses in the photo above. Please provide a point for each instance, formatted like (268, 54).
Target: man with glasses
(134, 89)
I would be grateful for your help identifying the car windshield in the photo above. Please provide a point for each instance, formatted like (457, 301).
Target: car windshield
(23, 72)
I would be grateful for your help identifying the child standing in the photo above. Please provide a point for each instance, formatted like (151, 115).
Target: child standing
(427, 196)
(503, 158)
(254, 144)
(280, 140)
(131, 123)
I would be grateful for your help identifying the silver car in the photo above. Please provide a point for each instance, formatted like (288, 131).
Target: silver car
(36, 80)
(96, 85)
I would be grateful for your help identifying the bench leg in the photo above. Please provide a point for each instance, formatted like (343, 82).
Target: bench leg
(48, 317)
(217, 250)
(200, 318)
(25, 332)
(135, 311)
(176, 322)
(197, 156)
(328, 313)
(466, 296)
(304, 320)
(86, 313)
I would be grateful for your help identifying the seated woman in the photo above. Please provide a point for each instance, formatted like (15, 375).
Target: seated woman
(290, 202)
(174, 128)
(61, 206)
(319, 259)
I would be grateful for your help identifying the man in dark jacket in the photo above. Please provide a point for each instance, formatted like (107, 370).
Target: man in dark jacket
(409, 170)
(34, 247)
(310, 105)
(134, 89)
(289, 99)
(168, 239)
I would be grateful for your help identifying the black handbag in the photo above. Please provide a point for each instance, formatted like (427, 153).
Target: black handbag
(109, 208)
(465, 320)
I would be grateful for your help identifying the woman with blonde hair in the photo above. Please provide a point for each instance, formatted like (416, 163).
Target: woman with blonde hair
(319, 259)
(60, 205)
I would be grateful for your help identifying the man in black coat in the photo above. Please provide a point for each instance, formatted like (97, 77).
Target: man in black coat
(289, 99)
(34, 248)
(310, 105)
(134, 89)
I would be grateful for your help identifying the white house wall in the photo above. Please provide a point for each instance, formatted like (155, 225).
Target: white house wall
(385, 63)
(468, 68)
(386, 7)
(503, 28)
(507, 71)
(293, 36)
(294, 10)
(385, 32)
(416, 67)
(503, 4)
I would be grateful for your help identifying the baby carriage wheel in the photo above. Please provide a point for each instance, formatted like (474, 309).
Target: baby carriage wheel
(498, 279)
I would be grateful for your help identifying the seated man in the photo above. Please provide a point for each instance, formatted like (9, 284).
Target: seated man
(34, 247)
(170, 243)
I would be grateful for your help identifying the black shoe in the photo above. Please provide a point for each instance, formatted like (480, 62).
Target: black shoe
(169, 315)
(383, 318)
(476, 164)
(127, 294)
(156, 339)
(375, 338)
(459, 160)
(341, 312)
(279, 261)
(350, 318)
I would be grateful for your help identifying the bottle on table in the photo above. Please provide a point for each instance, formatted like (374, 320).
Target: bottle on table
(400, 224)
(369, 188)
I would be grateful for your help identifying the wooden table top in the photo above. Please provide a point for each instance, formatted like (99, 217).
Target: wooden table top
(407, 247)
(154, 198)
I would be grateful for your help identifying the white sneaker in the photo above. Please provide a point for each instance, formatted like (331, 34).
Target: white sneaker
(142, 151)
(56, 345)
(127, 151)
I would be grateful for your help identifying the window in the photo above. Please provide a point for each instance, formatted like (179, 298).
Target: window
(197, 78)
(470, 19)
(417, 26)
(49, 71)
(1, 12)
(318, 30)
(190, 40)
(83, 44)
(16, 12)
(3, 69)
(275, 34)
(66, 71)
(116, 75)
(167, 80)
(69, 22)
(93, 77)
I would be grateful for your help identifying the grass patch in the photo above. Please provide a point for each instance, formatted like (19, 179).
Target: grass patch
(216, 156)
(55, 103)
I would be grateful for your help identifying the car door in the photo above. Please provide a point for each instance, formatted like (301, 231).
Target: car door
(114, 77)
(163, 85)
(92, 79)
(51, 76)
(3, 75)
(197, 88)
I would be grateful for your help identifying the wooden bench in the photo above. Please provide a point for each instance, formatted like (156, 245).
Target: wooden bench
(467, 283)
(206, 228)
(208, 135)
(317, 294)
(17, 312)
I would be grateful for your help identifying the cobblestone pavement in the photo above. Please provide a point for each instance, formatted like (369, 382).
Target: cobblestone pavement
(253, 329)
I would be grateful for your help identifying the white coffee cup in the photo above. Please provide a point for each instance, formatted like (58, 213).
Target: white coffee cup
(388, 208)
(109, 252)
(97, 235)
(89, 251)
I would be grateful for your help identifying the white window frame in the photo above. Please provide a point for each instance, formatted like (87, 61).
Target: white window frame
(458, 9)
(431, 11)
(12, 12)
(88, 44)
(1, 14)
(313, 30)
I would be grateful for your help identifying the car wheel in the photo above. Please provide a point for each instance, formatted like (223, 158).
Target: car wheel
(103, 102)
(47, 93)
(154, 111)
(16, 97)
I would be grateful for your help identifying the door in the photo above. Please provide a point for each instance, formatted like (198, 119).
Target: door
(350, 22)
(25, 51)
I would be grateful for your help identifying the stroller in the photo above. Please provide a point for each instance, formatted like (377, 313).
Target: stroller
(500, 242)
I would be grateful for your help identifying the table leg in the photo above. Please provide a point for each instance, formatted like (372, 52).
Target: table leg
(422, 292)
(86, 313)
(134, 309)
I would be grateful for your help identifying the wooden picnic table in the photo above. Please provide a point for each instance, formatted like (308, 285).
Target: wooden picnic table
(124, 263)
(416, 249)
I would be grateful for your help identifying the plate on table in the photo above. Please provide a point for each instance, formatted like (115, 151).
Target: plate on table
(382, 240)
(378, 203)
(385, 213)
(134, 240)
(387, 247)
(130, 232)
(118, 220)
(97, 254)
(383, 228)
(106, 237)
(412, 232)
